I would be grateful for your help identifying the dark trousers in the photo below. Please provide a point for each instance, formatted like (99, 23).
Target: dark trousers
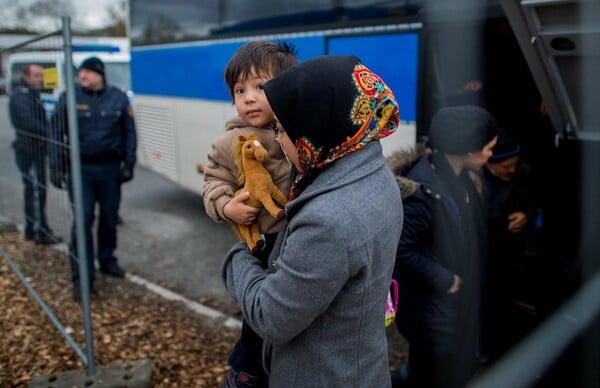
(246, 355)
(100, 185)
(32, 165)
(428, 370)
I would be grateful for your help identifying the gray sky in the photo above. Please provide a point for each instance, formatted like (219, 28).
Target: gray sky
(88, 14)
(93, 12)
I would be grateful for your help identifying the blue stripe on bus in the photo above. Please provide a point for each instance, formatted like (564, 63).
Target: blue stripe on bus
(196, 70)
(103, 48)
(394, 57)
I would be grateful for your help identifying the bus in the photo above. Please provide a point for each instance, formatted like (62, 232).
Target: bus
(179, 54)
(532, 64)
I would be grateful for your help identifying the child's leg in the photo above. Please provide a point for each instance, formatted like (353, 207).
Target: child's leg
(246, 356)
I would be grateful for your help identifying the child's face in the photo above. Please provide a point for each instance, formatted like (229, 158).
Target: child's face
(250, 99)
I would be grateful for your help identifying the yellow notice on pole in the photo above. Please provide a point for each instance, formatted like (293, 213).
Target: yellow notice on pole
(51, 78)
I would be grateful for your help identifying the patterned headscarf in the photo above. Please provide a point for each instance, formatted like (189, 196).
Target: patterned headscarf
(330, 106)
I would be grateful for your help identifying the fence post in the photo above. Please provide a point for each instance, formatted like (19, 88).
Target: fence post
(78, 194)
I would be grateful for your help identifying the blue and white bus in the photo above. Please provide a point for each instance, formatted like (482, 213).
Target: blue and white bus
(179, 53)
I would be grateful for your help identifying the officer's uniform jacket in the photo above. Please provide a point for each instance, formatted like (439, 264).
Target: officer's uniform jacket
(106, 125)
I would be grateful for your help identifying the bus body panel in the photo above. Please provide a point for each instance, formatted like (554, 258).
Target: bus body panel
(182, 101)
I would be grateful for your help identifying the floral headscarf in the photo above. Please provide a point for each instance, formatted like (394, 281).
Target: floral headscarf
(330, 106)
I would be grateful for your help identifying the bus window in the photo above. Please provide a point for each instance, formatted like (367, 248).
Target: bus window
(118, 74)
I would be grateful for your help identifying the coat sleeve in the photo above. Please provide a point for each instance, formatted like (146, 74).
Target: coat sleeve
(58, 151)
(282, 304)
(27, 115)
(411, 255)
(128, 132)
(220, 181)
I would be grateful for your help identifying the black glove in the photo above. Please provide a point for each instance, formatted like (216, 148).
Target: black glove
(126, 172)
(58, 178)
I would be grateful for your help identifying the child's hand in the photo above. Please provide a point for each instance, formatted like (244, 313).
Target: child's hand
(240, 213)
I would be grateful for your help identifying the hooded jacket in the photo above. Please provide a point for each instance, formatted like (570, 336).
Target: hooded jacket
(220, 175)
(441, 237)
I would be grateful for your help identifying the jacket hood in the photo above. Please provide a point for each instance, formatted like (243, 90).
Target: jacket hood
(346, 170)
(401, 163)
(235, 122)
(238, 122)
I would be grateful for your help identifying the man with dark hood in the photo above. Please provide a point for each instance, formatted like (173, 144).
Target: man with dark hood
(442, 247)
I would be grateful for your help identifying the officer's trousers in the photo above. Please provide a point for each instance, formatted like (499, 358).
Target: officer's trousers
(100, 185)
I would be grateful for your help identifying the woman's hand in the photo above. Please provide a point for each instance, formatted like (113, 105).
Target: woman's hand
(456, 285)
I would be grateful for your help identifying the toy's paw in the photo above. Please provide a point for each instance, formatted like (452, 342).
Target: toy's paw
(258, 247)
(281, 214)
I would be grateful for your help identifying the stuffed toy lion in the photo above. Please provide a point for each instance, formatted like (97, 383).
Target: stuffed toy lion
(249, 155)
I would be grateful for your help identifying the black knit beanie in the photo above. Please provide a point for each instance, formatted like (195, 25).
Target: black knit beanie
(461, 130)
(505, 148)
(93, 64)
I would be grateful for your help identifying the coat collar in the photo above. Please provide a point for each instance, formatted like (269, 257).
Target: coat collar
(343, 172)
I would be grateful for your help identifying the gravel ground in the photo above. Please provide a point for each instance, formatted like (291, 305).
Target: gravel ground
(129, 323)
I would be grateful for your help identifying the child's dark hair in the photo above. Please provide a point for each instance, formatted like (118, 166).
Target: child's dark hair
(262, 57)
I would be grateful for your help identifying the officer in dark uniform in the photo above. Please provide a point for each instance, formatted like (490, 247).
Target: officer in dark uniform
(28, 117)
(107, 141)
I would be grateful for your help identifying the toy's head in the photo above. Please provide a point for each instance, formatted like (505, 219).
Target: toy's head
(248, 147)
(252, 148)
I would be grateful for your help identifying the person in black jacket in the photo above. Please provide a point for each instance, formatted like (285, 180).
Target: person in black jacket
(28, 117)
(107, 142)
(441, 249)
(509, 195)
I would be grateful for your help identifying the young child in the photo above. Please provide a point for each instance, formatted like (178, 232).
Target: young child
(246, 73)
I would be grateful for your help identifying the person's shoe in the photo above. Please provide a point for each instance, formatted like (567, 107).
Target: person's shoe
(113, 270)
(243, 380)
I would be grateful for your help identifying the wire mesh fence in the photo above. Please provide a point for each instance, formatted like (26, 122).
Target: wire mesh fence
(39, 186)
(42, 209)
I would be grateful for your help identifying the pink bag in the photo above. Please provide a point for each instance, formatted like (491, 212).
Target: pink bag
(391, 306)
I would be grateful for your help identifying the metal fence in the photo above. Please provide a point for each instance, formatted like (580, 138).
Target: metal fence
(48, 205)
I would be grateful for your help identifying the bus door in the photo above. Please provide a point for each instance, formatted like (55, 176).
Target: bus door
(561, 44)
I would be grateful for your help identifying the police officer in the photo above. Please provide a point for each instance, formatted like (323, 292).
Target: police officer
(107, 142)
(28, 117)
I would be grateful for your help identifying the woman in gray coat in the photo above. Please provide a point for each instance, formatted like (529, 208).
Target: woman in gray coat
(320, 307)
